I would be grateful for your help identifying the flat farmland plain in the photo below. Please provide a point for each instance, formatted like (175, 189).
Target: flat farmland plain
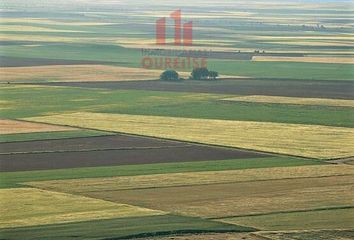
(18, 208)
(75, 73)
(232, 193)
(211, 236)
(289, 87)
(20, 101)
(8, 126)
(306, 220)
(293, 100)
(24, 161)
(16, 179)
(76, 133)
(193, 178)
(173, 160)
(306, 140)
(117, 141)
(310, 235)
(122, 228)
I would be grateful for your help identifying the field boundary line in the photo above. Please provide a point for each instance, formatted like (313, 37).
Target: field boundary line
(182, 232)
(286, 212)
(96, 150)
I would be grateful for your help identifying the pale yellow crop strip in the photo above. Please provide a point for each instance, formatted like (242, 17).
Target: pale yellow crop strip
(72, 73)
(30, 207)
(8, 126)
(25, 28)
(293, 100)
(194, 178)
(314, 141)
(330, 59)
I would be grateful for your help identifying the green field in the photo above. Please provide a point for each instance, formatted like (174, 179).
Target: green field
(307, 220)
(131, 58)
(50, 135)
(124, 228)
(15, 179)
(190, 105)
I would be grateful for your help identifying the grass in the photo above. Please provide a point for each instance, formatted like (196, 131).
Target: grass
(190, 179)
(222, 200)
(50, 135)
(30, 207)
(121, 228)
(294, 70)
(19, 101)
(294, 100)
(310, 220)
(312, 141)
(14, 179)
(75, 51)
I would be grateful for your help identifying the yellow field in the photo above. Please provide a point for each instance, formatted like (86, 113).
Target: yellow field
(29, 207)
(314, 141)
(344, 36)
(194, 178)
(330, 59)
(293, 100)
(72, 73)
(12, 126)
(317, 43)
(24, 28)
(41, 38)
(5, 20)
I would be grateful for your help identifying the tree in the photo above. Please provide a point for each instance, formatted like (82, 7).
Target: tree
(200, 73)
(169, 75)
(213, 75)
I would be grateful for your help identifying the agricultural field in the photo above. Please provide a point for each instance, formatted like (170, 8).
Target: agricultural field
(54, 207)
(230, 199)
(312, 141)
(107, 151)
(77, 73)
(13, 127)
(307, 235)
(93, 145)
(294, 100)
(321, 219)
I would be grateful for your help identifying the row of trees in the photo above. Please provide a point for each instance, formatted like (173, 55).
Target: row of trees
(196, 74)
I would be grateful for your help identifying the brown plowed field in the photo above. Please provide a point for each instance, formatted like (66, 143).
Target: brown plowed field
(108, 151)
